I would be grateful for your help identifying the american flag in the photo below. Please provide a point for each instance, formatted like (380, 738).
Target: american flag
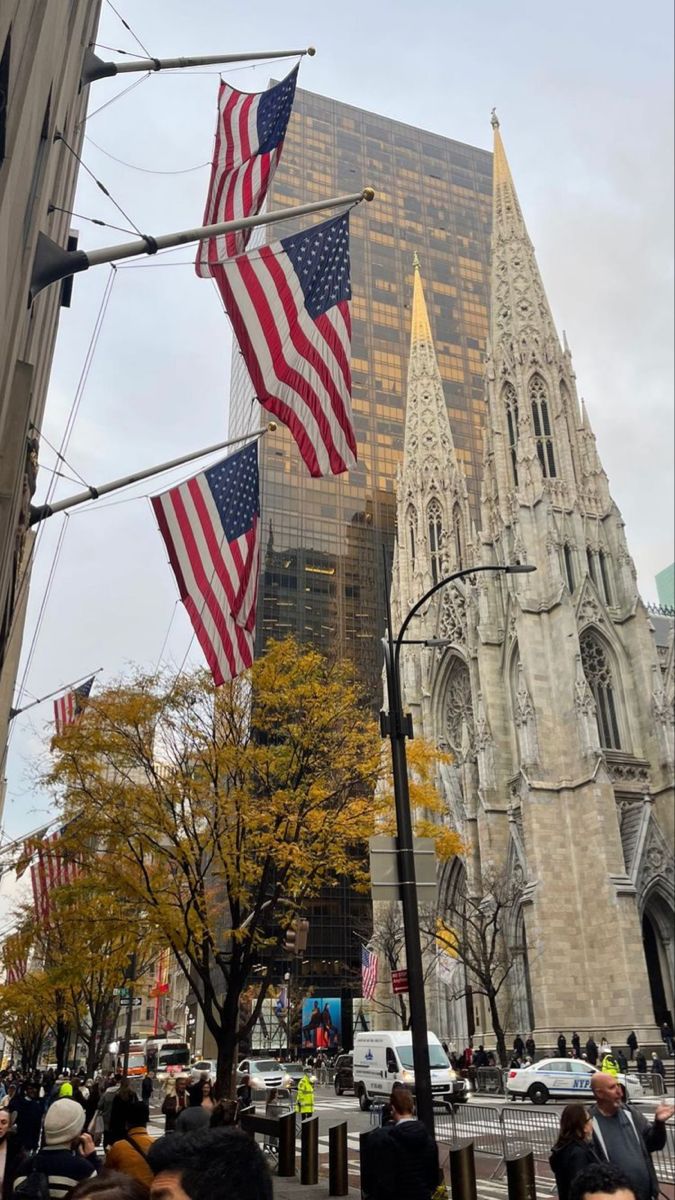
(211, 527)
(289, 306)
(15, 953)
(52, 869)
(368, 973)
(69, 706)
(250, 133)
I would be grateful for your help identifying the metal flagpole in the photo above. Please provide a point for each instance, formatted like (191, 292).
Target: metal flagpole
(14, 712)
(52, 262)
(42, 511)
(95, 68)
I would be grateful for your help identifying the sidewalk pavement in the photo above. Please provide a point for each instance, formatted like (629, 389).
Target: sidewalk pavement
(292, 1189)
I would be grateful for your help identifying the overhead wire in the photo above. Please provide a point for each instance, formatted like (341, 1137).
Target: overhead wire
(94, 220)
(113, 100)
(145, 170)
(98, 183)
(128, 28)
(34, 546)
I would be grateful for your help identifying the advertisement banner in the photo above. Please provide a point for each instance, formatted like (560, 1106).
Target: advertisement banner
(321, 1023)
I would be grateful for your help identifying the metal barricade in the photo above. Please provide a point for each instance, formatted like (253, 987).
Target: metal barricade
(489, 1079)
(664, 1160)
(527, 1129)
(376, 1111)
(483, 1125)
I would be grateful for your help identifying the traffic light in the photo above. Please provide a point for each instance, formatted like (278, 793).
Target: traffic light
(295, 941)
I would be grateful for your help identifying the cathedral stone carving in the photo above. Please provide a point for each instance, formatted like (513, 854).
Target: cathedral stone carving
(555, 707)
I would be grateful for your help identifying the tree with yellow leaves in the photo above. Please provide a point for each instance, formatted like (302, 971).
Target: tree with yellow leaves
(219, 813)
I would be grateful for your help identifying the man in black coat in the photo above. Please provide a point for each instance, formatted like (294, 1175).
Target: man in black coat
(400, 1160)
(592, 1050)
(530, 1047)
(623, 1137)
(632, 1043)
(562, 1046)
(576, 1044)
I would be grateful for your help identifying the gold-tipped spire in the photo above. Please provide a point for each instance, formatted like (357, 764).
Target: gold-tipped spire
(421, 329)
(506, 207)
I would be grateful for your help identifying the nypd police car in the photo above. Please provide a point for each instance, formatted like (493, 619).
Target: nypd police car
(560, 1079)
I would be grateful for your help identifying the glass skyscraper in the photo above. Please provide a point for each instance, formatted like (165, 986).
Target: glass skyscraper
(322, 573)
(325, 540)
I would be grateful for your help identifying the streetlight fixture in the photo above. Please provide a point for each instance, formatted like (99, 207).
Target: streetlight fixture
(397, 725)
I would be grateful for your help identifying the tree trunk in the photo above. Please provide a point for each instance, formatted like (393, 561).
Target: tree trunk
(497, 1029)
(61, 1040)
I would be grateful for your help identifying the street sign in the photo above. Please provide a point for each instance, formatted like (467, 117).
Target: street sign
(121, 991)
(135, 1003)
(399, 982)
(384, 875)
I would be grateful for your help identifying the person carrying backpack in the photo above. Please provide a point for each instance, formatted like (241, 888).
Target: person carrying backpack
(67, 1155)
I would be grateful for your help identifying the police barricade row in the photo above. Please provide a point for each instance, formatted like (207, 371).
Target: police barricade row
(505, 1132)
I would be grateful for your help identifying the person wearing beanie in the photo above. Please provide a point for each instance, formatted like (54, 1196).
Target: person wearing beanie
(67, 1155)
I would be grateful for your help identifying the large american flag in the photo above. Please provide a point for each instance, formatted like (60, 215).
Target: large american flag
(250, 133)
(53, 867)
(211, 527)
(289, 306)
(368, 973)
(68, 707)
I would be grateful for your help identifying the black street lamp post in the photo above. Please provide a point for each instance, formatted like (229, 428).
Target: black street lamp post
(397, 725)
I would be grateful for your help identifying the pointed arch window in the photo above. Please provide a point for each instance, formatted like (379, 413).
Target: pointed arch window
(459, 708)
(458, 537)
(435, 526)
(541, 424)
(599, 569)
(411, 524)
(598, 672)
(511, 405)
(568, 558)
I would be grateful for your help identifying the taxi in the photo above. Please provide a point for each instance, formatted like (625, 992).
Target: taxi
(561, 1079)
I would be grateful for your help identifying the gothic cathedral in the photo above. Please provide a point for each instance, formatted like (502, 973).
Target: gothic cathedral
(553, 691)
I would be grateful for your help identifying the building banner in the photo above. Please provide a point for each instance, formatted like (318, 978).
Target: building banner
(321, 1023)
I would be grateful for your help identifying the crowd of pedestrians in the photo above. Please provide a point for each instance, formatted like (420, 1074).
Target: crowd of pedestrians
(75, 1137)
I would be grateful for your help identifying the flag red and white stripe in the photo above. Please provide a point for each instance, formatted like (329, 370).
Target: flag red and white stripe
(67, 708)
(250, 132)
(289, 306)
(211, 528)
(368, 973)
(52, 869)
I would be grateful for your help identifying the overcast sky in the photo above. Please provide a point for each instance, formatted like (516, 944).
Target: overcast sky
(584, 92)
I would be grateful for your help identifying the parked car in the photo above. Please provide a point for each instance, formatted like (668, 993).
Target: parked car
(203, 1066)
(293, 1072)
(344, 1074)
(265, 1073)
(560, 1079)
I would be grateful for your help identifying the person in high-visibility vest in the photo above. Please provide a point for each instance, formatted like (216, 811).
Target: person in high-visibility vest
(610, 1066)
(305, 1101)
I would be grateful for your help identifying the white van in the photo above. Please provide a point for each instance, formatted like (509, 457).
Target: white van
(385, 1057)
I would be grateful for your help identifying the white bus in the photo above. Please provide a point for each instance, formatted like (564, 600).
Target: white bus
(167, 1056)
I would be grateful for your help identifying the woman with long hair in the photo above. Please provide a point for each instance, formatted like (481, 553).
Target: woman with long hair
(574, 1148)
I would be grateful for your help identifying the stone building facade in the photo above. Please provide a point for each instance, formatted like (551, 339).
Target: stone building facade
(42, 47)
(553, 692)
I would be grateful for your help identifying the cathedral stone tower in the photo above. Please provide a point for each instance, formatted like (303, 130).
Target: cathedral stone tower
(550, 692)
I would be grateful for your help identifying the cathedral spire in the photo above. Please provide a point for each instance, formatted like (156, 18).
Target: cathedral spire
(508, 217)
(434, 520)
(427, 426)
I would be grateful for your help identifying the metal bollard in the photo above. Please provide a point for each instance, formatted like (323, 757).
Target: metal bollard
(286, 1167)
(520, 1177)
(463, 1171)
(338, 1174)
(309, 1151)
